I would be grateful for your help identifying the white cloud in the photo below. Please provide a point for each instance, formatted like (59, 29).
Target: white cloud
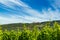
(55, 3)
(12, 3)
(36, 15)
(46, 16)
(51, 15)
(4, 20)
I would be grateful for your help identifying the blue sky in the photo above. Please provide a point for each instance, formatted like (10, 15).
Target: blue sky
(28, 11)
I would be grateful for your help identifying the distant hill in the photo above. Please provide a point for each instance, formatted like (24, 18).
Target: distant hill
(30, 25)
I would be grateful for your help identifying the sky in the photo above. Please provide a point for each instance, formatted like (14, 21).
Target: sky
(28, 11)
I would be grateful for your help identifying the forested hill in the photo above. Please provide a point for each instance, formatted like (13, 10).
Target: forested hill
(30, 25)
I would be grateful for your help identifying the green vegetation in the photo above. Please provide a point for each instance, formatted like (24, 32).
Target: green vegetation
(45, 33)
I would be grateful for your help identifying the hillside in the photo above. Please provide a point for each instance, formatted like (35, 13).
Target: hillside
(29, 25)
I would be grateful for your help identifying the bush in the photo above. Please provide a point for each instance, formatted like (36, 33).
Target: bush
(46, 33)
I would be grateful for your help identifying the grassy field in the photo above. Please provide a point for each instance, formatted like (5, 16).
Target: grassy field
(45, 33)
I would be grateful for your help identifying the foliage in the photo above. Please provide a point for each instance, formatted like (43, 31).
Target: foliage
(46, 33)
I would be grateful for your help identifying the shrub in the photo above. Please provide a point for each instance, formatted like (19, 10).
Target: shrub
(46, 33)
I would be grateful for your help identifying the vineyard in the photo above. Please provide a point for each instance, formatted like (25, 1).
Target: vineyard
(46, 33)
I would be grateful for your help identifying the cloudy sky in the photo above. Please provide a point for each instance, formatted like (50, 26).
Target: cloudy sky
(27, 11)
